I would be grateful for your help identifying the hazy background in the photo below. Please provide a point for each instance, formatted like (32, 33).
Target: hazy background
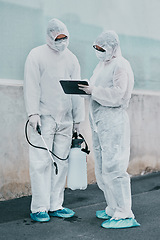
(23, 27)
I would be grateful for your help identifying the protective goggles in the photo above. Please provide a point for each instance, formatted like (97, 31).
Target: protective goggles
(61, 39)
(99, 49)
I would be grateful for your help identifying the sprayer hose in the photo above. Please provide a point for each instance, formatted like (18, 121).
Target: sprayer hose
(43, 148)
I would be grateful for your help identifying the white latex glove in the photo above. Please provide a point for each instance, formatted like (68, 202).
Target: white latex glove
(88, 89)
(76, 127)
(34, 120)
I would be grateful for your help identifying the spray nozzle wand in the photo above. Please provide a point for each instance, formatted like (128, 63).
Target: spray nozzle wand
(38, 129)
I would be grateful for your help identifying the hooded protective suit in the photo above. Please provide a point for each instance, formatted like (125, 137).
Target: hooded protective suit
(112, 83)
(45, 66)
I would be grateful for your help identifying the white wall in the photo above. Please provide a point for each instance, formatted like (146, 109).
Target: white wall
(144, 112)
(14, 175)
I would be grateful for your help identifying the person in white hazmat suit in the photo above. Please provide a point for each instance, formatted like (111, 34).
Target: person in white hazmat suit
(110, 90)
(57, 114)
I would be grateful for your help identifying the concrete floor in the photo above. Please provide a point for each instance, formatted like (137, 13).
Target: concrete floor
(16, 224)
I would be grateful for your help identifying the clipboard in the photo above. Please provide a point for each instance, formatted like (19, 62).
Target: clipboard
(71, 86)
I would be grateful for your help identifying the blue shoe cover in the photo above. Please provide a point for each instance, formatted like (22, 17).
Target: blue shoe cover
(40, 217)
(121, 223)
(102, 214)
(63, 213)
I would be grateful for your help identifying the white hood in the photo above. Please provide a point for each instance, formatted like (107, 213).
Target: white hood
(109, 39)
(55, 28)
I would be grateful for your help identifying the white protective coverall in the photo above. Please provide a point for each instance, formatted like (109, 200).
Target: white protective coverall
(112, 83)
(45, 66)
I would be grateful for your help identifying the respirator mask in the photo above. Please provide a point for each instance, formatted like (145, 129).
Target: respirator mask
(104, 54)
